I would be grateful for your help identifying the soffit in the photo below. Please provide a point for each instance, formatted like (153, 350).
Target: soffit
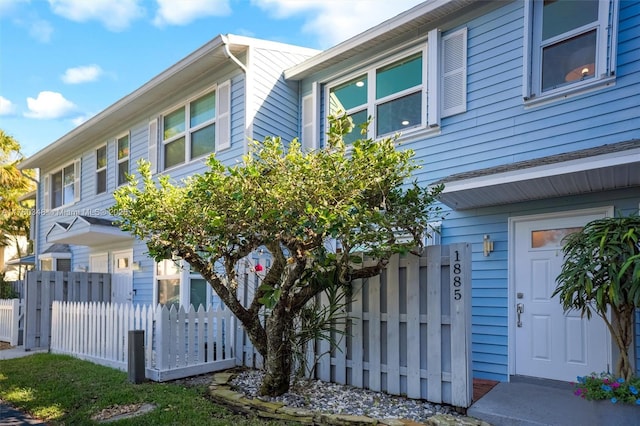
(604, 168)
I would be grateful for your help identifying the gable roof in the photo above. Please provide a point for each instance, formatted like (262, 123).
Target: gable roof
(218, 52)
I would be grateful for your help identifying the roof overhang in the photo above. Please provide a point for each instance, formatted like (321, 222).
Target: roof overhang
(592, 170)
(86, 231)
(219, 52)
(24, 260)
(428, 13)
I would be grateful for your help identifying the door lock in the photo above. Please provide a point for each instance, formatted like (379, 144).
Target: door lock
(519, 311)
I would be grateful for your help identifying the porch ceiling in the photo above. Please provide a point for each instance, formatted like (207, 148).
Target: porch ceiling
(598, 169)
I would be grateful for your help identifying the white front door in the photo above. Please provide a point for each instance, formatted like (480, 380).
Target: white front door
(122, 277)
(549, 343)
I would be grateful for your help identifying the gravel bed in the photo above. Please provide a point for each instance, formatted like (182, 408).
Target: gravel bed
(332, 398)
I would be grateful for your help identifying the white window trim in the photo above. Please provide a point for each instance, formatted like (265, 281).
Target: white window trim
(605, 56)
(54, 257)
(187, 131)
(432, 87)
(76, 185)
(372, 102)
(184, 276)
(102, 169)
(122, 160)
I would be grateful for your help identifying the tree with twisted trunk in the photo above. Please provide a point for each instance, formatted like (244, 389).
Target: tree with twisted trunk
(601, 272)
(289, 203)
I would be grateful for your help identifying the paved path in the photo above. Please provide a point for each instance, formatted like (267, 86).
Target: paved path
(9, 416)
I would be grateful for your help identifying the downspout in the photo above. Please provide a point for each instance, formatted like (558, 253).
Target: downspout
(229, 55)
(36, 220)
(247, 89)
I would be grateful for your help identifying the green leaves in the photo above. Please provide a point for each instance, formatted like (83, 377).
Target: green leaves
(281, 195)
(601, 271)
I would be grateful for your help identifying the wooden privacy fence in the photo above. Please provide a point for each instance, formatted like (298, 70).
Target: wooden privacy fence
(10, 318)
(178, 343)
(408, 333)
(45, 287)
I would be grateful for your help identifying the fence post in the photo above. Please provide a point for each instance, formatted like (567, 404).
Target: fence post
(460, 300)
(135, 364)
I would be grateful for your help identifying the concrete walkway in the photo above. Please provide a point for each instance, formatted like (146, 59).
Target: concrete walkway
(535, 402)
(18, 352)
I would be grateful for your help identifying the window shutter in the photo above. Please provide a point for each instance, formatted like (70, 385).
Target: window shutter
(223, 120)
(433, 78)
(309, 120)
(432, 234)
(454, 73)
(152, 138)
(45, 193)
(77, 178)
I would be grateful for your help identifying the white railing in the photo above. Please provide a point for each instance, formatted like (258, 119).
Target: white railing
(10, 315)
(178, 342)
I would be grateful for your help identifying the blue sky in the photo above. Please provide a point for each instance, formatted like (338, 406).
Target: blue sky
(63, 61)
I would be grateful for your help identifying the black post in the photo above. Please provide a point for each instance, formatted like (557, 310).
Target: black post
(135, 363)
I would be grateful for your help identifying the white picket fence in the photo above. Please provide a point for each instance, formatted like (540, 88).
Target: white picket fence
(10, 316)
(178, 342)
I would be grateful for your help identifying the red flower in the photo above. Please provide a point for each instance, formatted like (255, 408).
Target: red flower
(258, 267)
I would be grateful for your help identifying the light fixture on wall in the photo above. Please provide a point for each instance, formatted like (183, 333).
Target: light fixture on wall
(81, 268)
(487, 245)
(136, 266)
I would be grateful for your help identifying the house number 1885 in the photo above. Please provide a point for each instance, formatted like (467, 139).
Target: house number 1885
(457, 278)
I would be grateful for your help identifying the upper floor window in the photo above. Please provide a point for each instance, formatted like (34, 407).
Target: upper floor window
(101, 170)
(62, 187)
(391, 93)
(571, 45)
(403, 93)
(189, 131)
(123, 159)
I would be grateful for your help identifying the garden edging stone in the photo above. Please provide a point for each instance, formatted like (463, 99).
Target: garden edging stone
(221, 392)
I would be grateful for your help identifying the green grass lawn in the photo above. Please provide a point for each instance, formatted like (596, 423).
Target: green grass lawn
(64, 390)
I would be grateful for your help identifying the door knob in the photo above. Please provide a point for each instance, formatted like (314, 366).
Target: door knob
(519, 311)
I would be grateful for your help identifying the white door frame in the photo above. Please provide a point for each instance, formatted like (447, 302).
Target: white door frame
(607, 211)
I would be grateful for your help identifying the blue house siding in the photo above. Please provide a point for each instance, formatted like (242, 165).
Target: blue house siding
(498, 128)
(276, 100)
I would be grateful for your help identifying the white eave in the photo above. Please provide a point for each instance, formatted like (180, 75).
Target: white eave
(204, 60)
(604, 168)
(410, 21)
(86, 231)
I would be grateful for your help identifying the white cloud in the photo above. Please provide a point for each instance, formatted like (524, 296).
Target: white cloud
(49, 105)
(171, 12)
(40, 30)
(83, 74)
(7, 7)
(335, 21)
(115, 15)
(6, 106)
